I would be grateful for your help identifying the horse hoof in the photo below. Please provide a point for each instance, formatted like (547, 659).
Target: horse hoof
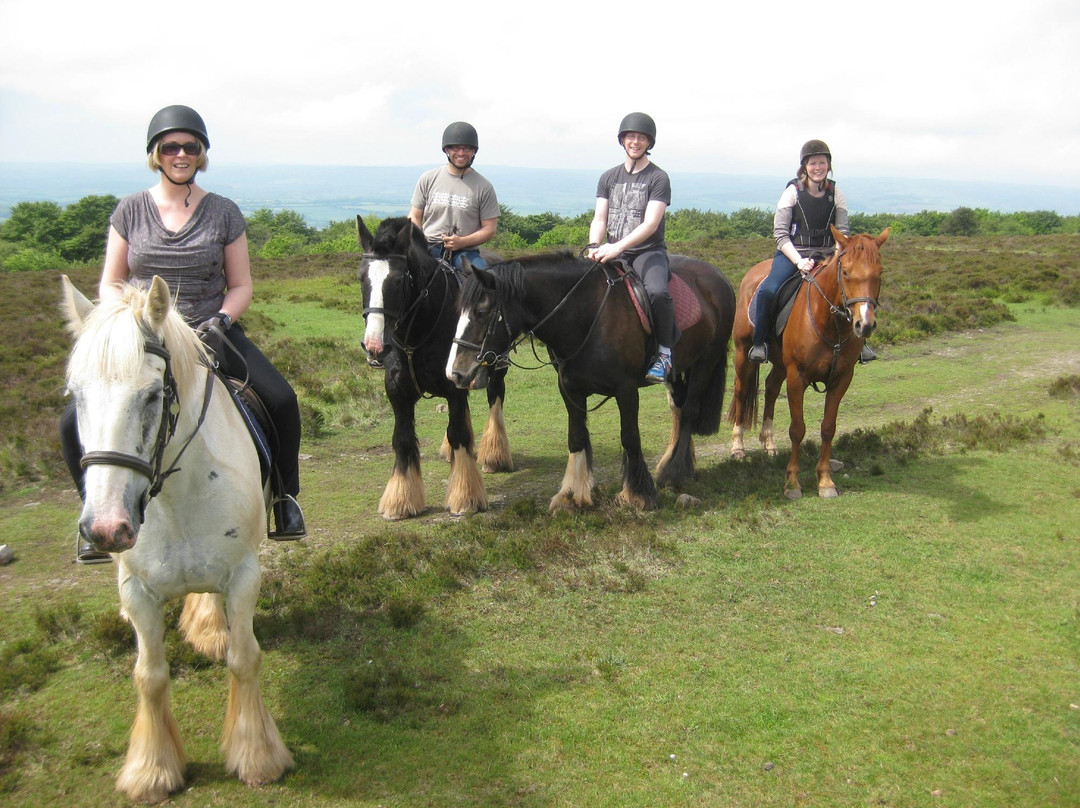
(738, 455)
(793, 493)
(828, 493)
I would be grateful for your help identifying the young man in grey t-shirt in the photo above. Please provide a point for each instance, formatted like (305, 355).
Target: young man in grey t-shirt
(631, 200)
(453, 204)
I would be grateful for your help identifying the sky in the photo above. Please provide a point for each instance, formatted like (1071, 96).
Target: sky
(934, 89)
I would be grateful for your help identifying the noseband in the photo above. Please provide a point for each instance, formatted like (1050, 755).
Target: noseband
(170, 414)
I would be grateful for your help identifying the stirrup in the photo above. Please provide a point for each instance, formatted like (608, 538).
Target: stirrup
(759, 353)
(660, 370)
(285, 532)
(85, 553)
(867, 354)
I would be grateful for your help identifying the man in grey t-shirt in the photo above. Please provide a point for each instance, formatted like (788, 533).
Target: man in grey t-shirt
(453, 204)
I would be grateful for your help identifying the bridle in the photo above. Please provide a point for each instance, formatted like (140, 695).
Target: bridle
(409, 316)
(841, 313)
(486, 358)
(170, 415)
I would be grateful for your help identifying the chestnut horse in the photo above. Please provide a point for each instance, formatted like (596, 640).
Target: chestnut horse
(833, 314)
(410, 309)
(584, 315)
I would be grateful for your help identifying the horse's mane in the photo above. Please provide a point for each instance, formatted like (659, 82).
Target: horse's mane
(109, 342)
(509, 277)
(388, 234)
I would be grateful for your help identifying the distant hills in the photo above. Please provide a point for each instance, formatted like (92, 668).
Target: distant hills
(337, 193)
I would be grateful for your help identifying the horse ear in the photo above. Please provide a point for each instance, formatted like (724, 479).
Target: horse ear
(406, 236)
(75, 305)
(884, 236)
(158, 302)
(363, 235)
(841, 239)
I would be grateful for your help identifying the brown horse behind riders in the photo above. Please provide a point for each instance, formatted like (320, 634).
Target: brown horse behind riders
(833, 314)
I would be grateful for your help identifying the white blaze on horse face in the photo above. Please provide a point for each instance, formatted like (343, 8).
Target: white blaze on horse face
(378, 272)
(118, 416)
(863, 318)
(463, 323)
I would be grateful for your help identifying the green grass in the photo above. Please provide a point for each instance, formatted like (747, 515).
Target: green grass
(918, 636)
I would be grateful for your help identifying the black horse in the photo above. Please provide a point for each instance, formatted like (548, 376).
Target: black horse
(410, 307)
(595, 336)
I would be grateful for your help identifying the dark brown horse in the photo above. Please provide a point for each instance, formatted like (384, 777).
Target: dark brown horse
(410, 308)
(584, 316)
(833, 314)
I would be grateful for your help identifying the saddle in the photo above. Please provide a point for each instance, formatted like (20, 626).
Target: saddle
(257, 420)
(785, 295)
(782, 305)
(687, 304)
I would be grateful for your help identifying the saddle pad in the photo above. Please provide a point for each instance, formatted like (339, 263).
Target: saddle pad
(785, 301)
(256, 418)
(687, 305)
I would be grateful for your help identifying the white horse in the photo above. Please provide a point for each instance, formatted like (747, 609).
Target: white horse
(177, 525)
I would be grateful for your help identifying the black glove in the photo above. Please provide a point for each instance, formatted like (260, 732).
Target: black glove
(212, 332)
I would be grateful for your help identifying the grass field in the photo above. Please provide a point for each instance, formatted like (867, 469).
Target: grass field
(914, 642)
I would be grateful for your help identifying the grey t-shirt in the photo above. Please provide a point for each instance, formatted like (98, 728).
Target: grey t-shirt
(454, 204)
(191, 261)
(628, 195)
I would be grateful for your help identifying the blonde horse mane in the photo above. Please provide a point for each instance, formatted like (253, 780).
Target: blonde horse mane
(109, 342)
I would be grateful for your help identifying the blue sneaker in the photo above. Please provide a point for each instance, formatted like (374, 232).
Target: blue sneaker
(659, 371)
(759, 353)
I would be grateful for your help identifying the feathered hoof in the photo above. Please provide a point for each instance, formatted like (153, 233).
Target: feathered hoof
(793, 493)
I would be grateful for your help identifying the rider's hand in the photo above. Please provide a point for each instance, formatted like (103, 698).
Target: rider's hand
(212, 331)
(805, 265)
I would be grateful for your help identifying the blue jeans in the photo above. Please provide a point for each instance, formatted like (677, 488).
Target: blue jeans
(782, 270)
(474, 257)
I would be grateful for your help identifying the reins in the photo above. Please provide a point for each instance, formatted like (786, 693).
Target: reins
(486, 358)
(841, 313)
(170, 415)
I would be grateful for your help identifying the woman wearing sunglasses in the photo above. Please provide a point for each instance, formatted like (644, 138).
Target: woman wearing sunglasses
(196, 241)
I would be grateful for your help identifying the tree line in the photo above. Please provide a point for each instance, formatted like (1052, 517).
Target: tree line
(44, 235)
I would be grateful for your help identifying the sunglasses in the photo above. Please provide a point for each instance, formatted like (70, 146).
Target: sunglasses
(172, 148)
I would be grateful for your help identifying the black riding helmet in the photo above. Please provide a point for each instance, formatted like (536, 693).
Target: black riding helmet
(638, 122)
(176, 118)
(812, 147)
(460, 133)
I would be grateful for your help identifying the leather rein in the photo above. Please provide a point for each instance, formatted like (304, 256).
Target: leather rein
(497, 361)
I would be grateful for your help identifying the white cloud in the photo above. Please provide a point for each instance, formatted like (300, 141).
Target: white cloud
(925, 89)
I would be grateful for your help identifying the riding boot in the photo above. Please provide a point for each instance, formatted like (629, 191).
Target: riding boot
(759, 353)
(867, 354)
(86, 553)
(288, 520)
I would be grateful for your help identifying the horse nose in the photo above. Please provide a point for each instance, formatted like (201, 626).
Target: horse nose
(108, 535)
(459, 379)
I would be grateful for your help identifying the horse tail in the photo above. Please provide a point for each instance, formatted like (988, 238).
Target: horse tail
(746, 402)
(705, 398)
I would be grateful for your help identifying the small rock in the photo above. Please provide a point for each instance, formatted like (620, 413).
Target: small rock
(769, 766)
(686, 501)
(950, 732)
(7, 555)
(937, 792)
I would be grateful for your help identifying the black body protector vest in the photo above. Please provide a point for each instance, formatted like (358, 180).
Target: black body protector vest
(811, 217)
